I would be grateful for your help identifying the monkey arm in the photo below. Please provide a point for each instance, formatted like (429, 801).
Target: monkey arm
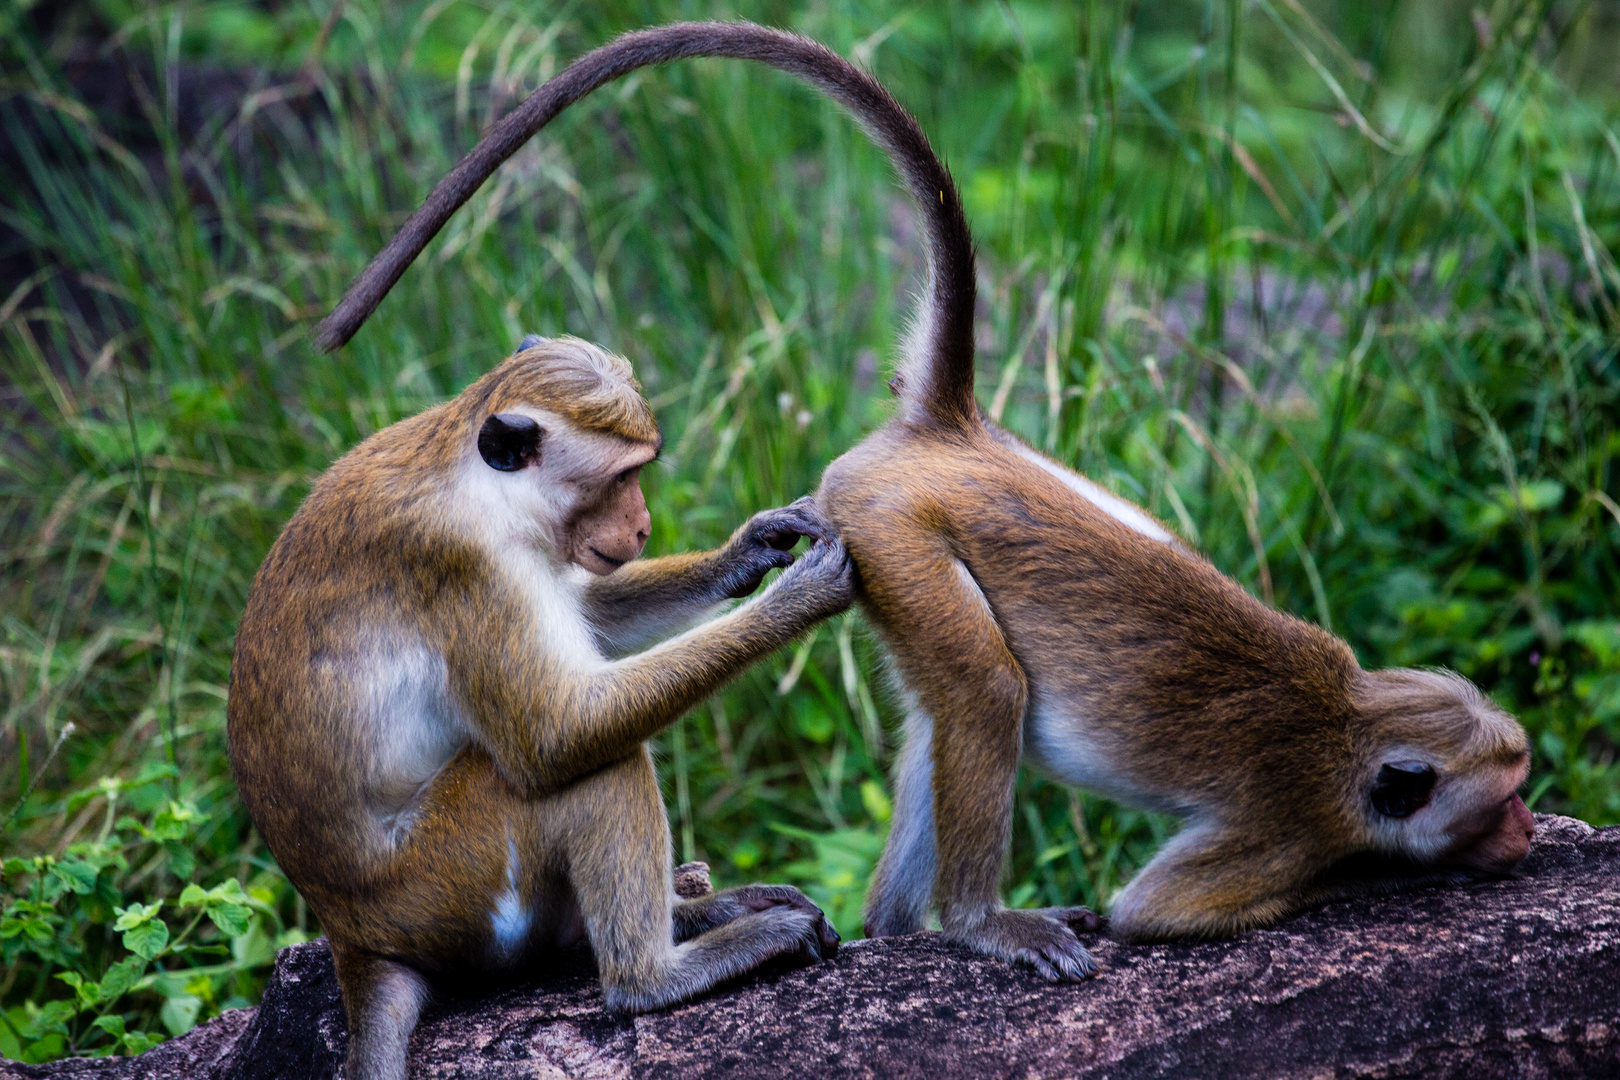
(546, 725)
(648, 600)
(1208, 883)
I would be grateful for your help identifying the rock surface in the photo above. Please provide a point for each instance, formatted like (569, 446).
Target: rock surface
(1514, 978)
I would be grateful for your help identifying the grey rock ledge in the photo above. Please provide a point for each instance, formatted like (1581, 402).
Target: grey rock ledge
(1513, 978)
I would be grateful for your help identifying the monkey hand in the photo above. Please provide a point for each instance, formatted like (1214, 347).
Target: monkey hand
(821, 580)
(763, 544)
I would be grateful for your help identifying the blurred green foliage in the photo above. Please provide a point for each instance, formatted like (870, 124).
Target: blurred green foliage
(1331, 288)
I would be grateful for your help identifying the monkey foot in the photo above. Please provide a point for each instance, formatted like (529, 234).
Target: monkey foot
(1038, 939)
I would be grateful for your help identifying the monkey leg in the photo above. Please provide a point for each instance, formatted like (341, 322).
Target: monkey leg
(968, 681)
(902, 887)
(1206, 883)
(619, 860)
(383, 999)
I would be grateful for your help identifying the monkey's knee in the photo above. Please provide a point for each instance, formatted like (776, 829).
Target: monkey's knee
(383, 1000)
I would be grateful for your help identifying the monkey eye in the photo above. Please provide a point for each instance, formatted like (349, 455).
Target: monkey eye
(509, 441)
(1403, 788)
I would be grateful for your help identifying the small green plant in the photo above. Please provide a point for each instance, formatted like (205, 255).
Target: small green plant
(113, 972)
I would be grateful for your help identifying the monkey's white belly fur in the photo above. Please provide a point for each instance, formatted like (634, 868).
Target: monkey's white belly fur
(408, 717)
(1059, 742)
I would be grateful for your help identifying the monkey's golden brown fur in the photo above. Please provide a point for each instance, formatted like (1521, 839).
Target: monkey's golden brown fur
(434, 723)
(1030, 612)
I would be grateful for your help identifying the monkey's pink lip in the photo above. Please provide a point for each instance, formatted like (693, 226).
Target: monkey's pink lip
(613, 563)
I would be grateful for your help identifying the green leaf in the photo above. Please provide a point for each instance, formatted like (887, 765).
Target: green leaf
(52, 1016)
(136, 914)
(120, 977)
(147, 939)
(88, 993)
(252, 949)
(1601, 636)
(230, 891)
(139, 1042)
(112, 1024)
(78, 876)
(182, 863)
(876, 801)
(233, 920)
(174, 821)
(179, 1013)
(226, 905)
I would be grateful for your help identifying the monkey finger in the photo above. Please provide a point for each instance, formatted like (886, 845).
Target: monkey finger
(829, 938)
(1075, 966)
(760, 897)
(793, 524)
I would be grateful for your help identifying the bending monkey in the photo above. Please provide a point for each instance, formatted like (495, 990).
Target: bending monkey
(1028, 611)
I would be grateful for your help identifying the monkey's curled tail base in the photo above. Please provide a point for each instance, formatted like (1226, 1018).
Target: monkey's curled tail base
(937, 381)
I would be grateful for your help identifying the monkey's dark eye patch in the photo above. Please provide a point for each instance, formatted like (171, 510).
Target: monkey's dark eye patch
(1403, 788)
(509, 441)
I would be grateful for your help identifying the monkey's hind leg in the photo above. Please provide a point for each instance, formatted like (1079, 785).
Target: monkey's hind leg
(950, 652)
(383, 999)
(902, 887)
(619, 859)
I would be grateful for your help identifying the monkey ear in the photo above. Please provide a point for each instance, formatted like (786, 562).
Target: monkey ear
(509, 441)
(1403, 788)
(530, 341)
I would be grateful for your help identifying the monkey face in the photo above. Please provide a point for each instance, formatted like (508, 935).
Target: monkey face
(1445, 792)
(1467, 815)
(610, 529)
(575, 493)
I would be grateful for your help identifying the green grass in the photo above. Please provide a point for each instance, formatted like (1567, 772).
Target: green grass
(1332, 290)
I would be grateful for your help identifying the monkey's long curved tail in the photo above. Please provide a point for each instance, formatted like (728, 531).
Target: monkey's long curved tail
(937, 376)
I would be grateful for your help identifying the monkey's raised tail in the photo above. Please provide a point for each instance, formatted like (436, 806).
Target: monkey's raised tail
(937, 377)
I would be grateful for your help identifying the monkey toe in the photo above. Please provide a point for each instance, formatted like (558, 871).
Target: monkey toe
(1057, 964)
(807, 932)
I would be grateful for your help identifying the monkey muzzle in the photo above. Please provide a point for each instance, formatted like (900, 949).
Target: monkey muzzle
(1501, 844)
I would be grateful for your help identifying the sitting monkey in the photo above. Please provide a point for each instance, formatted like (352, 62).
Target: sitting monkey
(435, 724)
